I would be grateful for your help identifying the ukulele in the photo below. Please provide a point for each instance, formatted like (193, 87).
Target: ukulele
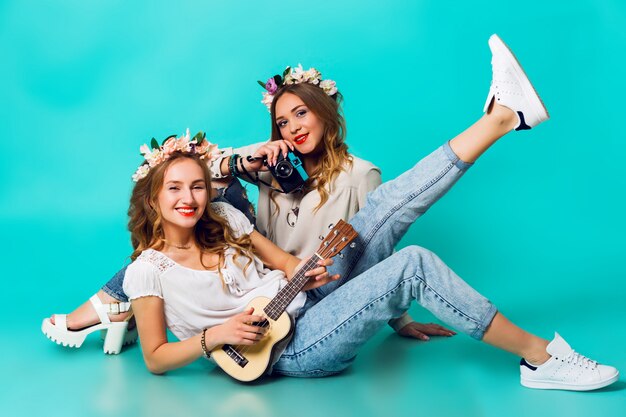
(247, 363)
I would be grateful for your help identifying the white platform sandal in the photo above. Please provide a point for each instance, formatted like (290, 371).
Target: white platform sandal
(114, 334)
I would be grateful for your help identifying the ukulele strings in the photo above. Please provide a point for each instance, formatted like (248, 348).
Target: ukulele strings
(266, 323)
(242, 349)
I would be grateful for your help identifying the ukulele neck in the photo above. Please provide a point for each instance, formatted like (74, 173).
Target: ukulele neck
(279, 304)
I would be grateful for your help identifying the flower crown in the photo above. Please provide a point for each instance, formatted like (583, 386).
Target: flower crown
(295, 75)
(156, 154)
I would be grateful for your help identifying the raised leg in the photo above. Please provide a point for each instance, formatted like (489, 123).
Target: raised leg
(512, 104)
(470, 144)
(391, 209)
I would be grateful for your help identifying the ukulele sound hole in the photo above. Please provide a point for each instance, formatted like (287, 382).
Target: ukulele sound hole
(235, 355)
(262, 323)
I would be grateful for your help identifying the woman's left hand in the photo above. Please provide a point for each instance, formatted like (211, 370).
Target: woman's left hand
(318, 276)
(422, 331)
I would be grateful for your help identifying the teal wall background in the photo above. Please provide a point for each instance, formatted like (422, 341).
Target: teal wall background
(537, 225)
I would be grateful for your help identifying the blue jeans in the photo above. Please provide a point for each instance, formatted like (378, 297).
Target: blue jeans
(377, 284)
(233, 194)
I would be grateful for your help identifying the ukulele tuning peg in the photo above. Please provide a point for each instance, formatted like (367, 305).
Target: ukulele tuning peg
(341, 255)
(343, 239)
(321, 237)
(330, 226)
(352, 245)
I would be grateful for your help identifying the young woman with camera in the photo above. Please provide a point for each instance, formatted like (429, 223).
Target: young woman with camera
(300, 124)
(311, 126)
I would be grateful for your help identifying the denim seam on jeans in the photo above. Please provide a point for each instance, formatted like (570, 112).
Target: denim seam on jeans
(477, 334)
(118, 295)
(353, 316)
(484, 323)
(393, 210)
(481, 324)
(454, 158)
(314, 373)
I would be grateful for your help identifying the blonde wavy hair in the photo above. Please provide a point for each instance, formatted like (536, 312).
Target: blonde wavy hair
(212, 232)
(335, 156)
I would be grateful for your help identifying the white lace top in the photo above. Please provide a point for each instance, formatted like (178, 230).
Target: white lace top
(194, 299)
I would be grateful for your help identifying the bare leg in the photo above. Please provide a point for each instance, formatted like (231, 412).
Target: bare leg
(505, 335)
(85, 315)
(475, 140)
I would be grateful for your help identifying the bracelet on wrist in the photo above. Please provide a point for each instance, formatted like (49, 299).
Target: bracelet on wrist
(240, 168)
(245, 172)
(232, 165)
(207, 354)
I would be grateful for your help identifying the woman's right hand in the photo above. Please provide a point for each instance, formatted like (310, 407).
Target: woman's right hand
(271, 150)
(238, 331)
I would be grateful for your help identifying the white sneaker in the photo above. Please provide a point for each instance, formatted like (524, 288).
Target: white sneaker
(566, 370)
(511, 87)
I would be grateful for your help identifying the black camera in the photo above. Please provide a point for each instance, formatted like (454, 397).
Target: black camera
(288, 172)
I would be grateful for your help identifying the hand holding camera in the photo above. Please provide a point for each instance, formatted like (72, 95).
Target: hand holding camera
(270, 153)
(288, 172)
(277, 158)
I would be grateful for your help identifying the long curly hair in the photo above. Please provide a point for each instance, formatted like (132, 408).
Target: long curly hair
(328, 109)
(212, 232)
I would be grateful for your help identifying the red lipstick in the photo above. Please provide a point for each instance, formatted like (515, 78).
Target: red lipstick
(300, 139)
(186, 211)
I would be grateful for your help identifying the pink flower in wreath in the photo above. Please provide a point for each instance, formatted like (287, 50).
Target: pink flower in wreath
(207, 150)
(267, 100)
(271, 86)
(170, 146)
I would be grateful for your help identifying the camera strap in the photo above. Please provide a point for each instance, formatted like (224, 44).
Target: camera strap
(256, 178)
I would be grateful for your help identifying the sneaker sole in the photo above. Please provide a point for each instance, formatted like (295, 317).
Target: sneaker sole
(541, 112)
(529, 383)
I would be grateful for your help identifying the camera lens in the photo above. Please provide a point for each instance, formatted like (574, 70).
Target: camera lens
(283, 169)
